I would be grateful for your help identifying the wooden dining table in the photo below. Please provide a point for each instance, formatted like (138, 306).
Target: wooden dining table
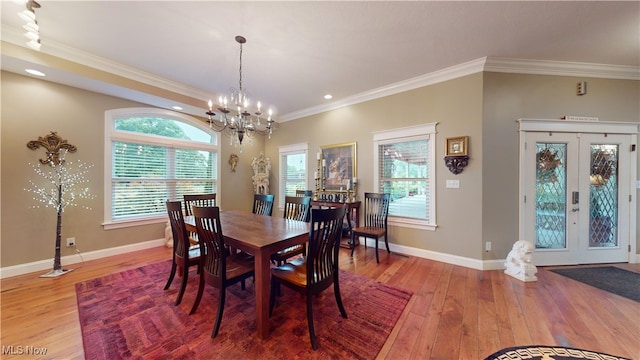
(260, 236)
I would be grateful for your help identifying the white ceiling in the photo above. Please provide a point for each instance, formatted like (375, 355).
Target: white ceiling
(298, 51)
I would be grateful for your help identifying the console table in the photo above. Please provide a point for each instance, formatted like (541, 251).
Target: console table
(352, 216)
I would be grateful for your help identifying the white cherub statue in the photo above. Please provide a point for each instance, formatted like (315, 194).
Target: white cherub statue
(518, 262)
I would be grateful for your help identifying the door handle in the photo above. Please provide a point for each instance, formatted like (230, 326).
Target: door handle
(575, 209)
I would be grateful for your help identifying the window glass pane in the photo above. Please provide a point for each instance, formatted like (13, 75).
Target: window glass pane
(163, 127)
(293, 173)
(404, 174)
(132, 160)
(194, 164)
(295, 176)
(143, 177)
(138, 197)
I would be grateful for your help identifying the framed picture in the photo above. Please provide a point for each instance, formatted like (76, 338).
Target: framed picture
(339, 165)
(457, 146)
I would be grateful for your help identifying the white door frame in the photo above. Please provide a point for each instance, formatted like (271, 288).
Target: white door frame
(546, 125)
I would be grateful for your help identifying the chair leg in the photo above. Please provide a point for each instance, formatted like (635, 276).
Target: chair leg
(352, 243)
(171, 276)
(199, 296)
(272, 294)
(216, 327)
(312, 333)
(387, 243)
(336, 291)
(183, 286)
(377, 258)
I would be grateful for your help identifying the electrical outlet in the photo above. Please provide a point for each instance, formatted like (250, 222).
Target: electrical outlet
(71, 242)
(487, 246)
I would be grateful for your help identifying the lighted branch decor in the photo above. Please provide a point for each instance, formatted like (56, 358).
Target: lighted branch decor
(62, 185)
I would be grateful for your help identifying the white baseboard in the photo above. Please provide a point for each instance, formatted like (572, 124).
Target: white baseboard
(406, 250)
(442, 257)
(77, 258)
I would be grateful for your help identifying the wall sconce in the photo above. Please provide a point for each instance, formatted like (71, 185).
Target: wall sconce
(457, 154)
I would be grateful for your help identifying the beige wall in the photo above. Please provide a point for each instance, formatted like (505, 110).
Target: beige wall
(31, 108)
(508, 97)
(482, 106)
(456, 106)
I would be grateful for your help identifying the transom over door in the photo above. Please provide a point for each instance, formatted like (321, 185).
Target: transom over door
(577, 205)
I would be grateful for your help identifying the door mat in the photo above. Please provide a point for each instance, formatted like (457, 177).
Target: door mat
(608, 278)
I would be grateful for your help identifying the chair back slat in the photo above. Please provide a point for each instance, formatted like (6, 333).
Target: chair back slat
(297, 208)
(191, 200)
(211, 240)
(324, 241)
(303, 193)
(263, 204)
(178, 229)
(376, 209)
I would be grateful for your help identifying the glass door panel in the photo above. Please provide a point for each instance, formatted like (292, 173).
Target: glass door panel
(575, 197)
(551, 195)
(603, 196)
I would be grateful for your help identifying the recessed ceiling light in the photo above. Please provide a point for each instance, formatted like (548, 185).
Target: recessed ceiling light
(176, 107)
(328, 96)
(35, 72)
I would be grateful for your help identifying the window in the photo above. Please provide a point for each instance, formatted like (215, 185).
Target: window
(293, 170)
(151, 156)
(404, 168)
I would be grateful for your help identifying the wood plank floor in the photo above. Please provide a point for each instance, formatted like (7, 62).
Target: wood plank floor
(455, 312)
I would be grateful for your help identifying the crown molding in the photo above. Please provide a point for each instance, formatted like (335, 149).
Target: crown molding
(59, 50)
(561, 68)
(453, 72)
(486, 64)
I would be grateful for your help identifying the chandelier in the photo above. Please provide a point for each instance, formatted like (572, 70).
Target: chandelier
(244, 123)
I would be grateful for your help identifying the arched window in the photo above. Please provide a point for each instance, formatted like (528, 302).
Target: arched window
(151, 156)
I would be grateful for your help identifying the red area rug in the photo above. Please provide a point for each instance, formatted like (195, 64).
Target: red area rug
(128, 315)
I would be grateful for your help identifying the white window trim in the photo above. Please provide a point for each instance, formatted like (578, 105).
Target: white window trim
(404, 134)
(284, 150)
(110, 134)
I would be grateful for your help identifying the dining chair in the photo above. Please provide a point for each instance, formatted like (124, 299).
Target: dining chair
(263, 204)
(184, 255)
(376, 212)
(319, 269)
(302, 193)
(218, 268)
(191, 200)
(295, 208)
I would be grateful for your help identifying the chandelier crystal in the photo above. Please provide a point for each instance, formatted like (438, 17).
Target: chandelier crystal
(246, 121)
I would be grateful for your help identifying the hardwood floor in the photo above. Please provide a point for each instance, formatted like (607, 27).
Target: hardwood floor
(455, 312)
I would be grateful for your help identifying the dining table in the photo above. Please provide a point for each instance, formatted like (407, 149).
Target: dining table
(260, 236)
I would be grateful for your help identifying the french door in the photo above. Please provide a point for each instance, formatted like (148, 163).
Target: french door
(577, 204)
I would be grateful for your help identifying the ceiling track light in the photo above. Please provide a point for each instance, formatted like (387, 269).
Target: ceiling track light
(31, 25)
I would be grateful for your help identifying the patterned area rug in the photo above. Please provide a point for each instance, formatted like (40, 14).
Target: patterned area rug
(538, 352)
(128, 315)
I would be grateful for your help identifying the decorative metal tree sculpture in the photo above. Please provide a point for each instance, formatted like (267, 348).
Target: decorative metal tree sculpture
(59, 192)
